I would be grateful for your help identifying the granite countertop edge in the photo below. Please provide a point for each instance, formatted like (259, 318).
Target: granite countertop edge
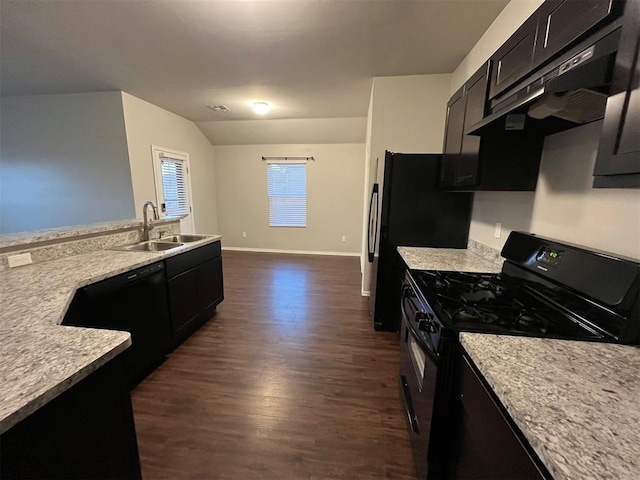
(23, 319)
(568, 432)
(37, 401)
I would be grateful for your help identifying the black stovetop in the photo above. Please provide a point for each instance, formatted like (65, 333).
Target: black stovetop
(496, 303)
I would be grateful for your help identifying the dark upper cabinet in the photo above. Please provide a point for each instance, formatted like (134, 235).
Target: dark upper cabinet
(514, 59)
(618, 160)
(453, 140)
(508, 161)
(553, 28)
(560, 22)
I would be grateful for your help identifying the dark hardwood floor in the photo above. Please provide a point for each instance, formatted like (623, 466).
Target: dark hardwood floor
(287, 381)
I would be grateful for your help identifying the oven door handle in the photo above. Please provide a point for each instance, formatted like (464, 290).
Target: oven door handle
(417, 317)
(408, 403)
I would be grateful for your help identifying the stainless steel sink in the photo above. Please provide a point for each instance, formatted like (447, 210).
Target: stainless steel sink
(152, 246)
(185, 238)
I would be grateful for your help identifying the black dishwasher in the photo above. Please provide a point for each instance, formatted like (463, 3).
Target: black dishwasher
(136, 302)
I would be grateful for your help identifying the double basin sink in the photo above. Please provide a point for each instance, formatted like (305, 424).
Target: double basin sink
(161, 245)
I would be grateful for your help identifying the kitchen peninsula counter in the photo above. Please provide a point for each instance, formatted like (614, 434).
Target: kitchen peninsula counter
(577, 403)
(41, 358)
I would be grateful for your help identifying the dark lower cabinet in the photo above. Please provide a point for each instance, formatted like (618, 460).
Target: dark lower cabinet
(618, 160)
(196, 288)
(183, 298)
(485, 443)
(210, 290)
(85, 433)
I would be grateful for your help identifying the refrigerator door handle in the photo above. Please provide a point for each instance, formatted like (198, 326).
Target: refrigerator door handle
(373, 223)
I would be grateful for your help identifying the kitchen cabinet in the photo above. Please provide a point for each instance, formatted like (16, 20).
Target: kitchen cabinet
(86, 432)
(514, 59)
(553, 28)
(136, 302)
(618, 159)
(506, 161)
(485, 442)
(196, 288)
(561, 22)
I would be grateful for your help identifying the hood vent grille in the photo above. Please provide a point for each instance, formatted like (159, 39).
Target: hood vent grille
(579, 106)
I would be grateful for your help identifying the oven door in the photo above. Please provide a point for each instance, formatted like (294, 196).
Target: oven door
(418, 369)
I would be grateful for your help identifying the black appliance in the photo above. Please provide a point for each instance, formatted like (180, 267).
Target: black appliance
(546, 289)
(135, 302)
(413, 213)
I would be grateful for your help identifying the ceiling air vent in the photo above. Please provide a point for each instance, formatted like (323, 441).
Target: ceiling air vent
(219, 108)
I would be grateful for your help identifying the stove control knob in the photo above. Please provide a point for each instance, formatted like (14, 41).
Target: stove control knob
(426, 326)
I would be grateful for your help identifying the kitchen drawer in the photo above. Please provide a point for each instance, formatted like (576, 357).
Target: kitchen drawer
(191, 259)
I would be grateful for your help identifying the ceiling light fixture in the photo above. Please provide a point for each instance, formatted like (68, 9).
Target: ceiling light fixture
(261, 108)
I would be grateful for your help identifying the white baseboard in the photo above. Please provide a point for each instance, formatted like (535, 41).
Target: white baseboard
(294, 252)
(365, 293)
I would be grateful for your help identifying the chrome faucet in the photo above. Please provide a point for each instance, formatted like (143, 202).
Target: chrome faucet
(148, 223)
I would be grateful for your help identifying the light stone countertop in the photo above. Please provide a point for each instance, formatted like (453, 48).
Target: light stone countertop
(39, 358)
(447, 259)
(577, 403)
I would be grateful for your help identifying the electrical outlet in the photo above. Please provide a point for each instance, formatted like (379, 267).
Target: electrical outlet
(497, 233)
(344, 238)
(19, 260)
(244, 234)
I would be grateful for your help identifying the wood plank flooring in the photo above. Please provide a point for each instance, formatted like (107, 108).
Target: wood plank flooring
(287, 381)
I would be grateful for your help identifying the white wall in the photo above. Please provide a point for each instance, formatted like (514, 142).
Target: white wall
(407, 115)
(334, 197)
(564, 206)
(63, 161)
(146, 125)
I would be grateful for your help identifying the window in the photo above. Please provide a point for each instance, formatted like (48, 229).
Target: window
(287, 190)
(174, 187)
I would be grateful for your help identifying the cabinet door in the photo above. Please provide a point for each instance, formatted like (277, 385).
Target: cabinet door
(452, 138)
(210, 290)
(485, 445)
(513, 60)
(183, 298)
(475, 102)
(560, 22)
(618, 160)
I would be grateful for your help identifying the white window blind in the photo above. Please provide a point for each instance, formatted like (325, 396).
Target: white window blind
(287, 189)
(174, 186)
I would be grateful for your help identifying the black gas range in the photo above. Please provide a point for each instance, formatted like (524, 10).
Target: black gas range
(545, 289)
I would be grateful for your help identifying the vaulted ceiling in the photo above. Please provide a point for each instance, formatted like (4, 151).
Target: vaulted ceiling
(307, 58)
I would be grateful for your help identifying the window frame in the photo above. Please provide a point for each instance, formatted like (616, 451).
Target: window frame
(303, 163)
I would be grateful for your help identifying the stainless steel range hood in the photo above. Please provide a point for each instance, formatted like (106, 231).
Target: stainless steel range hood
(568, 92)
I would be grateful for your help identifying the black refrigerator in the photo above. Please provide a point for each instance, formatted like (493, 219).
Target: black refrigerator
(409, 210)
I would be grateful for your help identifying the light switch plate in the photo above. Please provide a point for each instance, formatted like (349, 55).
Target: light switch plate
(19, 260)
(497, 233)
